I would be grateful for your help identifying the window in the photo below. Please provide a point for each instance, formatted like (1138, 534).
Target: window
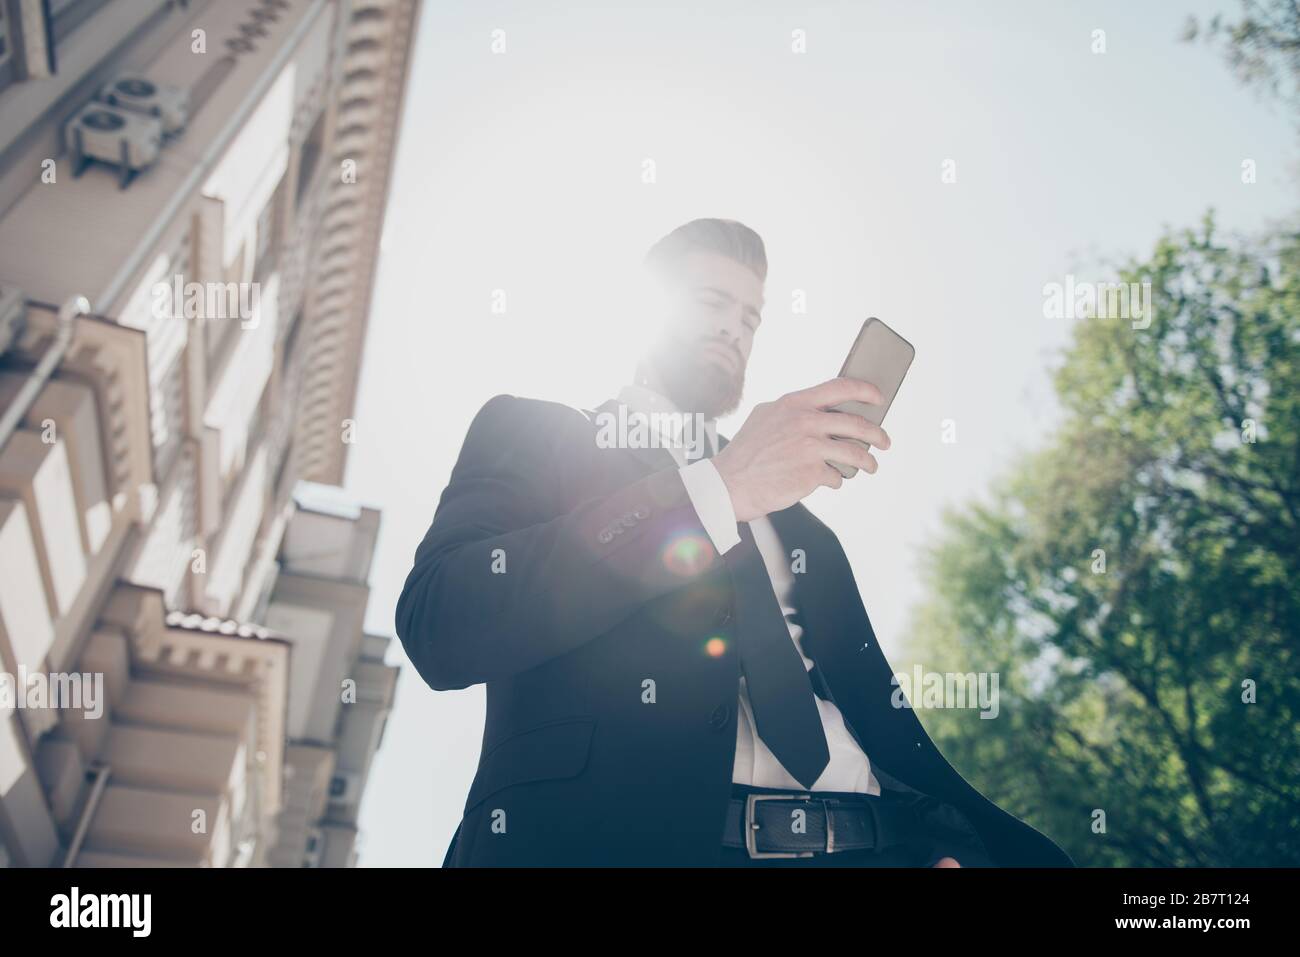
(26, 42)
(37, 30)
(268, 241)
(67, 15)
(309, 157)
(4, 35)
(290, 341)
(218, 333)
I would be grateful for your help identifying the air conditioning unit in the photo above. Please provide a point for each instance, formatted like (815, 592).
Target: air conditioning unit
(170, 105)
(127, 140)
(13, 315)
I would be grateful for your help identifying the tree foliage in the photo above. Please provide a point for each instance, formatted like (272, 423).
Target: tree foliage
(1262, 47)
(1163, 690)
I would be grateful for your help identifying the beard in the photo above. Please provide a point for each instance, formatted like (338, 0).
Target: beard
(695, 382)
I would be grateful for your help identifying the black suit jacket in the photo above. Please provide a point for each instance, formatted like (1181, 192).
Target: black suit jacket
(579, 585)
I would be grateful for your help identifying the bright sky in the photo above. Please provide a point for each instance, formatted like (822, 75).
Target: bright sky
(523, 172)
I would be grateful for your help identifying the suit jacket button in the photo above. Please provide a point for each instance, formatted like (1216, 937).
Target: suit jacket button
(720, 717)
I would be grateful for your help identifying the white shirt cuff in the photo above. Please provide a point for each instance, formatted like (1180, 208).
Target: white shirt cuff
(712, 503)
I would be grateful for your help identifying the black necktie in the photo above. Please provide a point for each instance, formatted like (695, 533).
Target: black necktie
(780, 691)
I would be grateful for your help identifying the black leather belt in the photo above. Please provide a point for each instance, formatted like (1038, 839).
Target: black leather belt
(770, 825)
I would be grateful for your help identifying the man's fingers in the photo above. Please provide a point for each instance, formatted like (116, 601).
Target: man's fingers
(847, 425)
(848, 453)
(947, 862)
(832, 477)
(837, 390)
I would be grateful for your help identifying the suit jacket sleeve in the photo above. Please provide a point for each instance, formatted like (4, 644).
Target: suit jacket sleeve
(506, 579)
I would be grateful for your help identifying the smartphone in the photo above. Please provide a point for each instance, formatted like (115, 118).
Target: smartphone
(879, 356)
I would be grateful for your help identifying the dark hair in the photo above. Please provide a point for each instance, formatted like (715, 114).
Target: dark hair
(726, 236)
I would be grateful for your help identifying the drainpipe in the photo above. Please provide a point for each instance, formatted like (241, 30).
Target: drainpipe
(101, 772)
(67, 325)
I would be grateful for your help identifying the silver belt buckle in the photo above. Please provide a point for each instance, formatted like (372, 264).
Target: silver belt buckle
(751, 826)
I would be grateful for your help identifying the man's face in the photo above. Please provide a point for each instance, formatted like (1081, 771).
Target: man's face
(715, 306)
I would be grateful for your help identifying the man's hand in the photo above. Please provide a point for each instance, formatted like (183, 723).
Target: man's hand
(779, 455)
(946, 862)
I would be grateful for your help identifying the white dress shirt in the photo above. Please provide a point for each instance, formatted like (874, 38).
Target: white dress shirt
(849, 768)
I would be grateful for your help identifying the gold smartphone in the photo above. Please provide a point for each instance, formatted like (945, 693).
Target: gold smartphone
(879, 356)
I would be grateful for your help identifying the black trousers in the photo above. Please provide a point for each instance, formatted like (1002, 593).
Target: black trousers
(948, 834)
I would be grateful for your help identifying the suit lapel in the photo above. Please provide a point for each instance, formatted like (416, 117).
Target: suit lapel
(821, 558)
(837, 632)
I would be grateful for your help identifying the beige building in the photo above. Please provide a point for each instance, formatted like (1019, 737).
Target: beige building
(191, 201)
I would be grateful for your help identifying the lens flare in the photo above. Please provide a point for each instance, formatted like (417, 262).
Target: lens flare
(688, 554)
(715, 647)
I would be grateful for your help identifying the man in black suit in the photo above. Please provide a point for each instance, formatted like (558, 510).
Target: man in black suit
(679, 667)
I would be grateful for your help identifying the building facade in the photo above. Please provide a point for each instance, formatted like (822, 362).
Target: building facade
(191, 200)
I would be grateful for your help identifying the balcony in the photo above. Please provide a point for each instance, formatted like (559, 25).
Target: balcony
(26, 625)
(73, 478)
(192, 739)
(166, 759)
(36, 473)
(181, 829)
(71, 407)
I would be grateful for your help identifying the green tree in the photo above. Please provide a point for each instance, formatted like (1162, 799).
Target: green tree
(1163, 690)
(1262, 47)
